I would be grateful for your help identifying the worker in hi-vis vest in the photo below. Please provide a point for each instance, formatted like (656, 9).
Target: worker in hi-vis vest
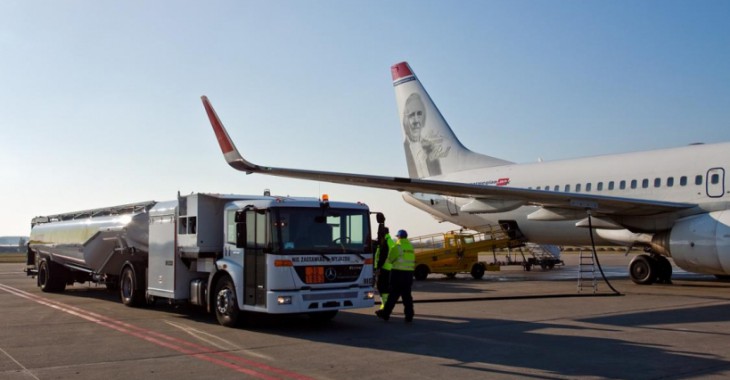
(382, 266)
(402, 257)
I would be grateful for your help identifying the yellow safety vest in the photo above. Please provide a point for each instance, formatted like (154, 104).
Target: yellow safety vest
(402, 256)
(391, 244)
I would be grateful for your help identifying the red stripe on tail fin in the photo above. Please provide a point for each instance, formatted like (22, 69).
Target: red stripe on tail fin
(223, 140)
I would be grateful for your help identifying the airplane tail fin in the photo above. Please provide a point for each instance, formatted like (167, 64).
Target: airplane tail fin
(431, 146)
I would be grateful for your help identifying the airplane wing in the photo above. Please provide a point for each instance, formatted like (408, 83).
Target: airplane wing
(615, 206)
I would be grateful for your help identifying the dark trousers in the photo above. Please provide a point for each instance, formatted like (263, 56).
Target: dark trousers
(400, 287)
(384, 282)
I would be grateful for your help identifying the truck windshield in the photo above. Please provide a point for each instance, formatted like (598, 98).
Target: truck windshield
(320, 231)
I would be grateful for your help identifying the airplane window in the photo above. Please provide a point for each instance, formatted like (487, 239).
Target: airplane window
(644, 183)
(600, 186)
(610, 185)
(633, 183)
(683, 181)
(715, 179)
(588, 186)
(622, 185)
(577, 188)
(670, 181)
(567, 188)
(698, 180)
(657, 182)
(557, 188)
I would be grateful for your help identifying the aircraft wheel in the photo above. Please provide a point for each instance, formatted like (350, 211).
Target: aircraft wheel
(643, 270)
(664, 270)
(421, 272)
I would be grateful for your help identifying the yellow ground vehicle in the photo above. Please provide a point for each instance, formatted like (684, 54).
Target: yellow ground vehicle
(457, 252)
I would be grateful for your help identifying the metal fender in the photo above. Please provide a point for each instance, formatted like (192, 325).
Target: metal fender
(235, 271)
(701, 243)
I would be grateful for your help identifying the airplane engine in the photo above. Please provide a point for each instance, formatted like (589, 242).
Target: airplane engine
(701, 243)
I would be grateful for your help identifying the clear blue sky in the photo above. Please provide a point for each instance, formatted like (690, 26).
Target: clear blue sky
(100, 100)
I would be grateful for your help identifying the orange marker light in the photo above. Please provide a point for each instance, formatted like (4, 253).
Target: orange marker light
(325, 198)
(283, 263)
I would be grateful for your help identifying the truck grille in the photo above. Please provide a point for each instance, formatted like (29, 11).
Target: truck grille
(326, 274)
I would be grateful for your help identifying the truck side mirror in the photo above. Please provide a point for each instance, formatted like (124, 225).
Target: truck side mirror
(240, 233)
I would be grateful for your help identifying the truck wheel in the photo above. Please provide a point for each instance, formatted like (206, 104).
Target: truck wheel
(421, 272)
(129, 288)
(226, 302)
(51, 276)
(477, 271)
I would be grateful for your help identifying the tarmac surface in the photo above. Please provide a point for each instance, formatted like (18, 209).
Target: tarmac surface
(510, 324)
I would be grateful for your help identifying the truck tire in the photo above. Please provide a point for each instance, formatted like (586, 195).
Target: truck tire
(129, 287)
(225, 302)
(51, 276)
(421, 272)
(477, 271)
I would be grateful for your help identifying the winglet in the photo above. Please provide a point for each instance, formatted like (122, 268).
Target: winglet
(231, 154)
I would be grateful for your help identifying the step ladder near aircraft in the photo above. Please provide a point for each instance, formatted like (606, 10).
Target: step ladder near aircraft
(586, 270)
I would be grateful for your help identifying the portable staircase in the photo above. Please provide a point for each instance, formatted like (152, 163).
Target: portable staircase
(546, 256)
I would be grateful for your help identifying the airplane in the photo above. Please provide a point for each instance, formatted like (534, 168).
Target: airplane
(672, 202)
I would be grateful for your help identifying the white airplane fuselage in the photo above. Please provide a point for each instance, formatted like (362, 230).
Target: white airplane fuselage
(691, 174)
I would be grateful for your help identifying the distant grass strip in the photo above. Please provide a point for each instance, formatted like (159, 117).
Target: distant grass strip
(12, 258)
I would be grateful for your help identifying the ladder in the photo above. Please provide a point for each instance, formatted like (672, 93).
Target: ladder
(586, 270)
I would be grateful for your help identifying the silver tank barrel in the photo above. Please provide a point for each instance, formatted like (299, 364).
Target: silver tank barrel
(90, 238)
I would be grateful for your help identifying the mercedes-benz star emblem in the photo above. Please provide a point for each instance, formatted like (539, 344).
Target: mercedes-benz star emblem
(330, 274)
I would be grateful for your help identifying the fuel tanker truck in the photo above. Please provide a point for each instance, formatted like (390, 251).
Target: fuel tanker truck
(227, 253)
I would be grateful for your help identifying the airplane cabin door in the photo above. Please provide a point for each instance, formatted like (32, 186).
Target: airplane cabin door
(715, 182)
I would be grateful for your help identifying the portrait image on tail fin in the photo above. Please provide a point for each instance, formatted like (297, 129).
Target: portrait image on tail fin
(424, 147)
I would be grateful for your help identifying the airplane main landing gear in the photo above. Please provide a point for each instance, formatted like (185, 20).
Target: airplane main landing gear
(647, 269)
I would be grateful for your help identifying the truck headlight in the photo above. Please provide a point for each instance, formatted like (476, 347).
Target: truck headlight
(283, 300)
(369, 295)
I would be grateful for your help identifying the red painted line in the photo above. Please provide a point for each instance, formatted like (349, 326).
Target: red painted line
(195, 350)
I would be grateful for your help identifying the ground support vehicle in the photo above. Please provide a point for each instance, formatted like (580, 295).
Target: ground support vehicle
(458, 251)
(228, 253)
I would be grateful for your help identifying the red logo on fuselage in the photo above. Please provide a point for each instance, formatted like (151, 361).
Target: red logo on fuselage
(503, 182)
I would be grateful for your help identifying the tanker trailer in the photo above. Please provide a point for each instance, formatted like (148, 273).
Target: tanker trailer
(90, 245)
